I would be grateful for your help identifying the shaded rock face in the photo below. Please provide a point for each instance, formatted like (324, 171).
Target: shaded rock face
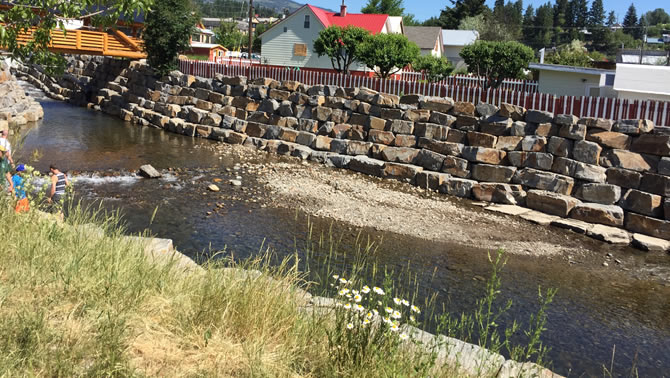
(16, 108)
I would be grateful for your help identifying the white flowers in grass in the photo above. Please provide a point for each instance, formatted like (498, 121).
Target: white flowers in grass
(358, 300)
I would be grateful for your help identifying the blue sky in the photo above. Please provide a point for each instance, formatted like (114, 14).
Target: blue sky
(423, 9)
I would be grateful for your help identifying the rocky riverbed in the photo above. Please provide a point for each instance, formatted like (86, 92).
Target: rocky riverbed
(403, 209)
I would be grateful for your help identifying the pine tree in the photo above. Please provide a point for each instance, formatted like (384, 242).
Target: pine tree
(597, 13)
(499, 9)
(611, 19)
(450, 17)
(630, 21)
(390, 7)
(560, 9)
(544, 22)
(528, 23)
(582, 13)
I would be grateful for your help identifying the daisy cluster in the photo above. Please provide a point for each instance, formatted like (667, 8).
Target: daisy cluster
(367, 304)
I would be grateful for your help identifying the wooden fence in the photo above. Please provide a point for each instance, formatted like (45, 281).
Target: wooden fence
(603, 107)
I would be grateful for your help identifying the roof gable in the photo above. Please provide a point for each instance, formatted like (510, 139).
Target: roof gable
(373, 23)
(424, 36)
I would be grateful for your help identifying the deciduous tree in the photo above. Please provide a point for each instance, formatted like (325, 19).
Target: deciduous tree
(228, 36)
(451, 16)
(497, 61)
(387, 54)
(46, 15)
(435, 68)
(341, 44)
(167, 32)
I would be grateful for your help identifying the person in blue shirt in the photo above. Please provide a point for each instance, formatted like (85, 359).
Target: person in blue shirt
(18, 184)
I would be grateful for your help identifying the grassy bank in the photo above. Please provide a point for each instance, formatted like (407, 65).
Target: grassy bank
(80, 298)
(75, 302)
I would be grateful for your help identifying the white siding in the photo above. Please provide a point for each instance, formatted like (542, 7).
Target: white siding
(277, 45)
(567, 83)
(642, 96)
(452, 53)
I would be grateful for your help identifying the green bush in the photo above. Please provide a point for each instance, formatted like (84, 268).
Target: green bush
(435, 68)
(497, 60)
(387, 54)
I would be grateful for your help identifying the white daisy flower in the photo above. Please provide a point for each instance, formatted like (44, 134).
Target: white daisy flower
(359, 308)
(348, 296)
(395, 328)
(387, 320)
(388, 310)
(369, 315)
(357, 298)
(350, 326)
(412, 318)
(415, 309)
(365, 289)
(397, 301)
(405, 302)
(375, 312)
(347, 306)
(336, 276)
(354, 292)
(396, 315)
(342, 292)
(404, 336)
(378, 290)
(366, 321)
(342, 280)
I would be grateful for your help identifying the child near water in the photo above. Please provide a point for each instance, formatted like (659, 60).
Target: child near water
(22, 203)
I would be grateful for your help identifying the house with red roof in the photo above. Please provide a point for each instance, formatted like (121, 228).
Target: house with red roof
(290, 42)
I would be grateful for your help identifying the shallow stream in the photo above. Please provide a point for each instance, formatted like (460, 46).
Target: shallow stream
(592, 312)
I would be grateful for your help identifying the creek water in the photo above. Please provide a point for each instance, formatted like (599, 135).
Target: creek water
(591, 314)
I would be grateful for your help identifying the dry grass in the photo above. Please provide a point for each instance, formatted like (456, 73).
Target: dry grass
(76, 303)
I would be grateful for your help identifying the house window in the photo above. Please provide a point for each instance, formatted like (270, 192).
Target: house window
(285, 29)
(300, 49)
(196, 38)
(306, 21)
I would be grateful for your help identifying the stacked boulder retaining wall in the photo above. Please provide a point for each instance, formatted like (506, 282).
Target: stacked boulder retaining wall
(607, 179)
(16, 108)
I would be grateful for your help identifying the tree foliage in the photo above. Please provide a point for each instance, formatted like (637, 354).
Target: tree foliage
(450, 17)
(630, 21)
(573, 54)
(387, 54)
(228, 36)
(390, 7)
(597, 13)
(341, 44)
(168, 28)
(497, 61)
(657, 16)
(434, 68)
(47, 15)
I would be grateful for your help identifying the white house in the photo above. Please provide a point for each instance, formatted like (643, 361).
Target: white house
(642, 82)
(290, 42)
(428, 38)
(454, 41)
(574, 81)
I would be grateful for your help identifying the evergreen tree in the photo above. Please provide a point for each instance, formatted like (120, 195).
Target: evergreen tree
(630, 22)
(560, 9)
(611, 19)
(499, 9)
(544, 26)
(597, 13)
(169, 25)
(390, 7)
(528, 23)
(450, 17)
(582, 13)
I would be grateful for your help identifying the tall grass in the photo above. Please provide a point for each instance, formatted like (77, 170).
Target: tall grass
(77, 297)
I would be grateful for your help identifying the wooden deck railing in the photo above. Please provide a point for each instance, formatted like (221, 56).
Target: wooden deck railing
(92, 42)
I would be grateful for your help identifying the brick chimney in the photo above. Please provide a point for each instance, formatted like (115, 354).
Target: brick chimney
(343, 9)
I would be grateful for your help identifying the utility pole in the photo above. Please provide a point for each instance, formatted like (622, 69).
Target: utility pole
(251, 17)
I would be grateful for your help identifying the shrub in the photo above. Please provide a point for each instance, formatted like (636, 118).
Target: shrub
(435, 68)
(497, 60)
(387, 54)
